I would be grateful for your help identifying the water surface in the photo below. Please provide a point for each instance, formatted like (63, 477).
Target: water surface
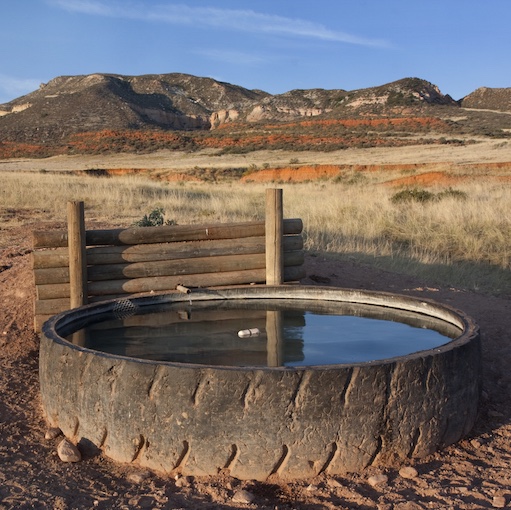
(288, 333)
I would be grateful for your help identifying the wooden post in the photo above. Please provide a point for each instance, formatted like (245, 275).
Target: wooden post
(274, 232)
(77, 254)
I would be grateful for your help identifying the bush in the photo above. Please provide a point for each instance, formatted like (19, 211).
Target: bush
(412, 195)
(155, 218)
(452, 193)
(422, 195)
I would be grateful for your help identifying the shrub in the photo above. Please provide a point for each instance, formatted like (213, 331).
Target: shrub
(452, 193)
(351, 178)
(412, 195)
(155, 218)
(422, 195)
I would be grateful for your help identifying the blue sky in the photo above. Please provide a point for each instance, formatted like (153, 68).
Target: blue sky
(273, 45)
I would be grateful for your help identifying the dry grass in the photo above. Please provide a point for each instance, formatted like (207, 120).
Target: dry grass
(461, 242)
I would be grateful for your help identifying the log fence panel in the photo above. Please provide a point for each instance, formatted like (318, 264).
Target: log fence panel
(123, 262)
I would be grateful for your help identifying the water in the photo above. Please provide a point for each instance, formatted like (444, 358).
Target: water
(289, 334)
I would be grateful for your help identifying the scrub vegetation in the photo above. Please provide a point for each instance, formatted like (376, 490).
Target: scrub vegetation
(458, 236)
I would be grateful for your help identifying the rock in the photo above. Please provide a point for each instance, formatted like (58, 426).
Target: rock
(408, 472)
(375, 480)
(182, 481)
(52, 433)
(146, 502)
(68, 452)
(243, 496)
(138, 476)
(332, 482)
(498, 502)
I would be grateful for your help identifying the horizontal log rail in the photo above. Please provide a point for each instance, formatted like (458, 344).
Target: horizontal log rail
(165, 268)
(117, 288)
(163, 234)
(122, 262)
(99, 255)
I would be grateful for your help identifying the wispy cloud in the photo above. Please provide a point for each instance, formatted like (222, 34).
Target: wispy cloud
(230, 19)
(84, 6)
(11, 87)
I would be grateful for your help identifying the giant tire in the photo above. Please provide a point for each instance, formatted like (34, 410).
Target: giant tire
(258, 422)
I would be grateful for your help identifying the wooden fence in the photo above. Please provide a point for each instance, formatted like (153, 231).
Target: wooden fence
(75, 266)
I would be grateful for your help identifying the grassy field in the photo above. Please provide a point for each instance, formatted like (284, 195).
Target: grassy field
(458, 236)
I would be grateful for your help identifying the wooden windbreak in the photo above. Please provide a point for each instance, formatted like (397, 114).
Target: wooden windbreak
(76, 266)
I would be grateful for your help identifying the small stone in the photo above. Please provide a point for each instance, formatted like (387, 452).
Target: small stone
(68, 452)
(476, 443)
(375, 480)
(499, 502)
(146, 502)
(311, 487)
(333, 483)
(182, 481)
(138, 476)
(52, 433)
(243, 496)
(408, 472)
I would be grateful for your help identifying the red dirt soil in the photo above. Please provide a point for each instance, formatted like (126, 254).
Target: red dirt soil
(418, 174)
(431, 173)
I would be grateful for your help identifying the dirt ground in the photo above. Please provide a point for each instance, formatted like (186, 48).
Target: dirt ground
(473, 474)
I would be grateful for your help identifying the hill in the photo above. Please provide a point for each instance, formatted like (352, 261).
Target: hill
(109, 112)
(498, 99)
(72, 104)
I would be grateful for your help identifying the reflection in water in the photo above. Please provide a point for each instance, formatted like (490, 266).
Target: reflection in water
(290, 334)
(276, 340)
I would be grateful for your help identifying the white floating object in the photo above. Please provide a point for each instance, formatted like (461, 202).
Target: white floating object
(243, 333)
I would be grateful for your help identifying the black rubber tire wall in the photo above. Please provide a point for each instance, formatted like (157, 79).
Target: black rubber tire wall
(254, 423)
